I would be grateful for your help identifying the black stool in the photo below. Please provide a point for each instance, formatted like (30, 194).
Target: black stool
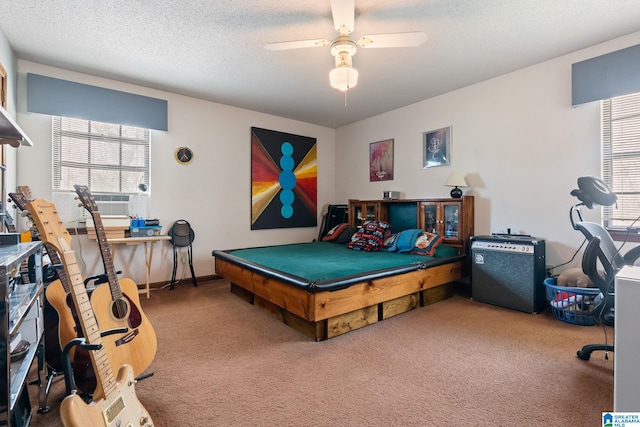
(182, 236)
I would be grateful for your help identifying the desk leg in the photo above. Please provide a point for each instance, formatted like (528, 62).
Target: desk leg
(148, 256)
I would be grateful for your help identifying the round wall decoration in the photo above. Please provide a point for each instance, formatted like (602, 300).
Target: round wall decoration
(184, 155)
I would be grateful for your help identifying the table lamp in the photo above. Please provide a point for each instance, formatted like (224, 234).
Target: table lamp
(456, 180)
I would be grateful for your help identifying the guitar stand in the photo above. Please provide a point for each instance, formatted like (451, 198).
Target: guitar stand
(98, 279)
(175, 267)
(43, 408)
(81, 341)
(182, 236)
(43, 395)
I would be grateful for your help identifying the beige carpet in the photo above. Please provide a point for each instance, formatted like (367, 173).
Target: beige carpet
(223, 362)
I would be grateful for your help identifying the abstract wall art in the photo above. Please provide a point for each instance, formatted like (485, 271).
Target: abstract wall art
(284, 176)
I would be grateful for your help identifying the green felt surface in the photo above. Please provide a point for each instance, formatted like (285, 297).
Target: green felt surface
(319, 261)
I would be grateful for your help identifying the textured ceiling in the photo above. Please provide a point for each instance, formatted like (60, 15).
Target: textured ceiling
(214, 49)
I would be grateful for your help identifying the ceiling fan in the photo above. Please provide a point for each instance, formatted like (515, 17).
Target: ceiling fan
(344, 76)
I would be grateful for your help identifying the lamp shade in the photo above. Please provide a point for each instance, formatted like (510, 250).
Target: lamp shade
(456, 180)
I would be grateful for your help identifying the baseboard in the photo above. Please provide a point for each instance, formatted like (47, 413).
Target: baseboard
(208, 278)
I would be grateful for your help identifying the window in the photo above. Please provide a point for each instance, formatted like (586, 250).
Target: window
(108, 158)
(621, 159)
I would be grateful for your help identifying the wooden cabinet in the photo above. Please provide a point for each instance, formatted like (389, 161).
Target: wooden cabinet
(362, 210)
(21, 319)
(451, 218)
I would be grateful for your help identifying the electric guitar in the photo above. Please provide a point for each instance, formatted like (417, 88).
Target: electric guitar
(117, 306)
(59, 314)
(114, 402)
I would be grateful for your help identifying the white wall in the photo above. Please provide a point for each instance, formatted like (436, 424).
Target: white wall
(517, 139)
(213, 192)
(9, 62)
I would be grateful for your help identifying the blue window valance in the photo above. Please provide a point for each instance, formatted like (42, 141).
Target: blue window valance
(56, 97)
(606, 76)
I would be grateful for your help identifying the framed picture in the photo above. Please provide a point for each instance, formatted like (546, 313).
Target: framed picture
(437, 147)
(381, 160)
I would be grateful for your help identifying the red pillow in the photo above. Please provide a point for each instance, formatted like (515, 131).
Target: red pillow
(334, 233)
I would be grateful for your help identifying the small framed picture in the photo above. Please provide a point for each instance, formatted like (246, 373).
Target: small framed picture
(381, 160)
(437, 147)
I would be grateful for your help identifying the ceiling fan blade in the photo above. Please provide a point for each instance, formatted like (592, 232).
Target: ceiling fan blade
(343, 12)
(412, 39)
(299, 44)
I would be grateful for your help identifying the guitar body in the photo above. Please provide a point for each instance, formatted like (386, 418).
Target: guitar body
(137, 347)
(122, 407)
(60, 323)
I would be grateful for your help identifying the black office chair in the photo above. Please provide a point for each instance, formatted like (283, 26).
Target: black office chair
(182, 236)
(600, 252)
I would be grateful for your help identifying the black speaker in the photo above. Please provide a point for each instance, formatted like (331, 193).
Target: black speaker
(508, 271)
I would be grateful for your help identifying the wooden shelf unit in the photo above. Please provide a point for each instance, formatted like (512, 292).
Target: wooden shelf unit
(448, 217)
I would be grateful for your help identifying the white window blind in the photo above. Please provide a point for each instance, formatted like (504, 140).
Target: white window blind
(621, 159)
(108, 158)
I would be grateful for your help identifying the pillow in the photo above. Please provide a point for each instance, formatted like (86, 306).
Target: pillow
(405, 240)
(426, 243)
(334, 233)
(345, 236)
(389, 242)
(371, 237)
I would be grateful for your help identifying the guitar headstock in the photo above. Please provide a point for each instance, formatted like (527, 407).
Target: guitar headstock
(85, 196)
(52, 230)
(24, 189)
(20, 199)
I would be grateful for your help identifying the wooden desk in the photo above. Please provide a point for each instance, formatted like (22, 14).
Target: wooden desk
(148, 252)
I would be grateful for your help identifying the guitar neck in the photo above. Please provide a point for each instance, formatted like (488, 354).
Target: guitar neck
(107, 258)
(89, 324)
(57, 262)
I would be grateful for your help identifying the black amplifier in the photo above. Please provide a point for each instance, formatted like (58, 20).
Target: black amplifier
(508, 271)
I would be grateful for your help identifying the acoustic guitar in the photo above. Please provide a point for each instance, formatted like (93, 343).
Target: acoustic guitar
(117, 306)
(114, 402)
(60, 317)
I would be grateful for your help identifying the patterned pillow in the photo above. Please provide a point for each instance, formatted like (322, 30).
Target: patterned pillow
(334, 233)
(371, 237)
(426, 243)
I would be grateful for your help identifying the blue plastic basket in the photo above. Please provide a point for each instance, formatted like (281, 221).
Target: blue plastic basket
(571, 305)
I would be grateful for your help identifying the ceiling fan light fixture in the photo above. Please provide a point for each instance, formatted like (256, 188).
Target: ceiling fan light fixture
(344, 76)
